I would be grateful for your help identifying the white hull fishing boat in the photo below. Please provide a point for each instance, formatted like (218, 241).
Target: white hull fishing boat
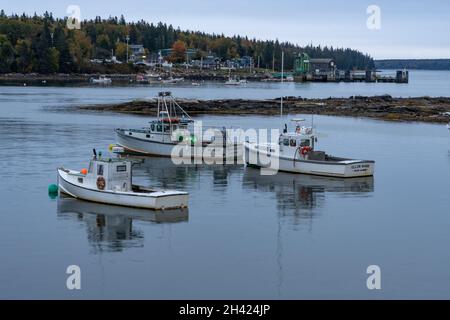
(101, 80)
(295, 152)
(235, 82)
(172, 80)
(109, 180)
(171, 129)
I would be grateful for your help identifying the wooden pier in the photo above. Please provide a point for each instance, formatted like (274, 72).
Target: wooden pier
(400, 76)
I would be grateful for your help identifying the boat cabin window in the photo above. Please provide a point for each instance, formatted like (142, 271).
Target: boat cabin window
(152, 127)
(159, 128)
(286, 142)
(90, 167)
(305, 143)
(293, 142)
(166, 128)
(121, 168)
(100, 170)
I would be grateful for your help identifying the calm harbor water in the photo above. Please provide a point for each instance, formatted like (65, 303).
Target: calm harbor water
(422, 83)
(244, 235)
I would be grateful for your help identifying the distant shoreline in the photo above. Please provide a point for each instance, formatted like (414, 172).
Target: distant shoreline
(190, 74)
(414, 64)
(423, 109)
(194, 75)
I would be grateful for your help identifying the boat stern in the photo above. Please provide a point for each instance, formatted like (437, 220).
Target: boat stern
(360, 168)
(170, 200)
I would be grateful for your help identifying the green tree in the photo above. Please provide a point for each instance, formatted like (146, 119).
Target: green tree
(24, 55)
(103, 41)
(53, 60)
(6, 54)
(65, 61)
(41, 46)
(80, 48)
(121, 51)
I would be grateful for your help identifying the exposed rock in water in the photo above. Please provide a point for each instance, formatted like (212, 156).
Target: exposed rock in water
(385, 107)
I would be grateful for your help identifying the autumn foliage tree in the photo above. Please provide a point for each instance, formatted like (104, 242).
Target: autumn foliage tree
(178, 52)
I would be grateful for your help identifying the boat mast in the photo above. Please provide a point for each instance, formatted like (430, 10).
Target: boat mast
(282, 76)
(159, 106)
(170, 106)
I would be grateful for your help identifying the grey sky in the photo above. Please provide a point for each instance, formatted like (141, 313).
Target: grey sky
(409, 29)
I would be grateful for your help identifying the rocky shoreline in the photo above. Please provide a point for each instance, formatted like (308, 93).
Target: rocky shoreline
(187, 74)
(422, 109)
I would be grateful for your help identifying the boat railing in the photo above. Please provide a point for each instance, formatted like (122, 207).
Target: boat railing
(143, 130)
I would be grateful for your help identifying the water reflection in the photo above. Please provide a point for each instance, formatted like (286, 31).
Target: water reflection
(110, 228)
(297, 195)
(162, 172)
(297, 198)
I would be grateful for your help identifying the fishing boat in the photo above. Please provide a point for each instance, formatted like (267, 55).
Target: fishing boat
(295, 152)
(172, 80)
(234, 81)
(175, 128)
(101, 80)
(109, 181)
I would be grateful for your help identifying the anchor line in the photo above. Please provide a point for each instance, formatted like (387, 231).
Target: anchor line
(294, 160)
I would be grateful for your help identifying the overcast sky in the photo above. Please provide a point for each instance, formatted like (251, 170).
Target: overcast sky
(409, 29)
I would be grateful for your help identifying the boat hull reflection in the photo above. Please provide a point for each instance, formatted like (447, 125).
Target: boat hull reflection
(300, 196)
(328, 184)
(110, 228)
(71, 205)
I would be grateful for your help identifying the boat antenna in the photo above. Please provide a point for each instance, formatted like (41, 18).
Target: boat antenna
(282, 76)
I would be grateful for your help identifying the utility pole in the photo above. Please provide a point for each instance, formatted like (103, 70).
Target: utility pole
(282, 79)
(273, 62)
(128, 39)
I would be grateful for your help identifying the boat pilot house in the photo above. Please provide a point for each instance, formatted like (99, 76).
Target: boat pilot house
(114, 172)
(302, 141)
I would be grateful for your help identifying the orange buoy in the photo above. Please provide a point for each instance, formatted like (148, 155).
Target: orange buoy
(84, 171)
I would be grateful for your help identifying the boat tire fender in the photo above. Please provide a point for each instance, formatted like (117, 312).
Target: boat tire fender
(305, 150)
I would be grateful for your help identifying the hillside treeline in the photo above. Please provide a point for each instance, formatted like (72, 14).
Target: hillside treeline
(44, 44)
